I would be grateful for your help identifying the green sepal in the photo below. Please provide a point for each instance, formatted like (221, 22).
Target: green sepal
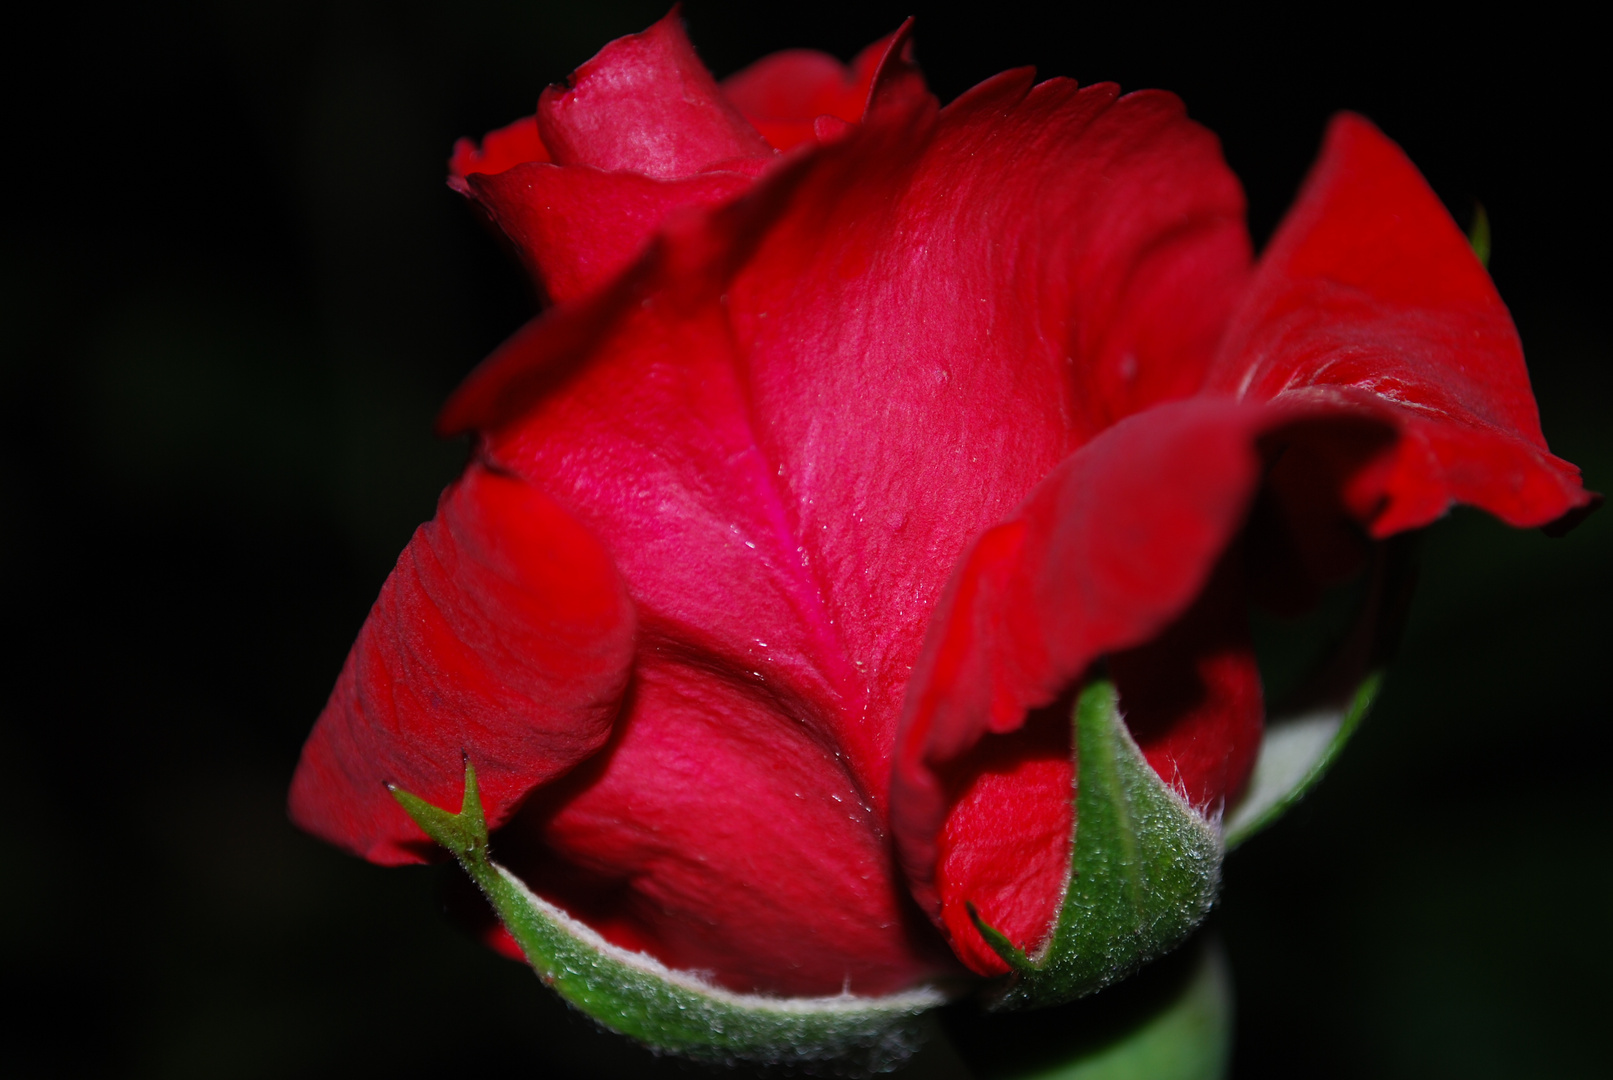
(1145, 868)
(464, 834)
(1295, 753)
(637, 996)
(1172, 1022)
(1190, 1038)
(1306, 736)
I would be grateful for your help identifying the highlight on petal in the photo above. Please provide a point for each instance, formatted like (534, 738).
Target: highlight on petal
(646, 104)
(1370, 293)
(503, 636)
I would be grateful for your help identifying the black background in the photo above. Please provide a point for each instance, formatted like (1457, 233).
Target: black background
(234, 289)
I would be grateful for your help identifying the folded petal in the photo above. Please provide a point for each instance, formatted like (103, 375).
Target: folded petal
(503, 634)
(577, 227)
(1370, 292)
(646, 104)
(1113, 555)
(637, 422)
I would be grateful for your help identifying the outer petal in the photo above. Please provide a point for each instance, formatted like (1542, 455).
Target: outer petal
(1105, 556)
(700, 815)
(503, 634)
(646, 104)
(1370, 288)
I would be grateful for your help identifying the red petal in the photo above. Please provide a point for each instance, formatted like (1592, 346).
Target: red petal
(576, 227)
(503, 634)
(950, 284)
(782, 94)
(721, 835)
(509, 146)
(790, 418)
(1192, 700)
(785, 94)
(1005, 845)
(646, 104)
(1108, 552)
(1369, 287)
(1192, 696)
(935, 323)
(647, 437)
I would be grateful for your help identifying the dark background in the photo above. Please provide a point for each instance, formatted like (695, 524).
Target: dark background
(233, 291)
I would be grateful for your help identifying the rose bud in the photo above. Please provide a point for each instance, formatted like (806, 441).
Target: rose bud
(846, 602)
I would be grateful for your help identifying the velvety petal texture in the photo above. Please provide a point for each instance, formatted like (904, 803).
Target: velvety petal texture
(639, 133)
(859, 433)
(505, 635)
(645, 104)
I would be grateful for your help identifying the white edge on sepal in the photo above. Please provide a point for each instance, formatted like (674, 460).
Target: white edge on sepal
(1295, 752)
(679, 1012)
(907, 1003)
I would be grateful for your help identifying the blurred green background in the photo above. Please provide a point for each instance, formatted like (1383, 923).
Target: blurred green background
(233, 291)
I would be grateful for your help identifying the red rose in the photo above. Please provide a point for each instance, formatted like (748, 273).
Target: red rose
(859, 431)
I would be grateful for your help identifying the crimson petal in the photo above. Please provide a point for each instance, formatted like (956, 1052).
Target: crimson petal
(1108, 552)
(505, 148)
(1369, 294)
(646, 104)
(503, 634)
(577, 227)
